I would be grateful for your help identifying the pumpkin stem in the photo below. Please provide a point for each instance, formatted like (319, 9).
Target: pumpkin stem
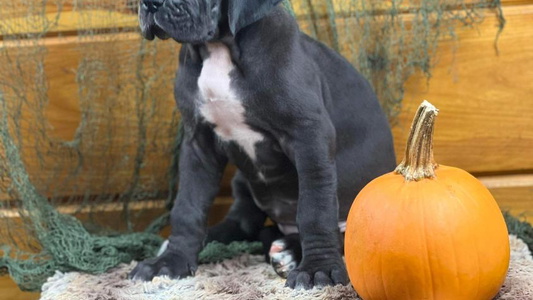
(418, 162)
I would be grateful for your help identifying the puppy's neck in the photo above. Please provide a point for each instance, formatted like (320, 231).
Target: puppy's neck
(228, 41)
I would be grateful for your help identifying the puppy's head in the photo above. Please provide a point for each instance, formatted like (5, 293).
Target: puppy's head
(199, 21)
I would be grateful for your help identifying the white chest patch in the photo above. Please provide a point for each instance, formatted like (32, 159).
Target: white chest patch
(219, 105)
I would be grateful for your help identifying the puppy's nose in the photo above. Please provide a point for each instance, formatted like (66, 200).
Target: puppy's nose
(152, 5)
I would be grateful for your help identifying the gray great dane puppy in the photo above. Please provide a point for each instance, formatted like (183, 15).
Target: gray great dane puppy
(303, 127)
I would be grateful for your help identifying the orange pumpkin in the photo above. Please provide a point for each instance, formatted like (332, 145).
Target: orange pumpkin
(426, 231)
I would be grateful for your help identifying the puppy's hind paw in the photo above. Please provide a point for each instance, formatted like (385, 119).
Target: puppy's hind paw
(282, 259)
(285, 254)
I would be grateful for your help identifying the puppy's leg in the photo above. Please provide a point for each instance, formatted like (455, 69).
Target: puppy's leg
(313, 150)
(244, 220)
(201, 169)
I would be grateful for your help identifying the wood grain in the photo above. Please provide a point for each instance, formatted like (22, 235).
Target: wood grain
(112, 127)
(507, 181)
(485, 103)
(514, 193)
(28, 16)
(518, 201)
(10, 291)
(68, 22)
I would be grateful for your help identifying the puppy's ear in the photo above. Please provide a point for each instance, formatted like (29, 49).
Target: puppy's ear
(242, 13)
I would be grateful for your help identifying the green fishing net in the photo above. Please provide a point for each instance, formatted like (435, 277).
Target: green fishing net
(89, 131)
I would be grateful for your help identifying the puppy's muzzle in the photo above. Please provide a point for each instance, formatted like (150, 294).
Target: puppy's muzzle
(152, 5)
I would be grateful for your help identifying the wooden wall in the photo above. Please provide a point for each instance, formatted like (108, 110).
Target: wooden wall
(486, 99)
(485, 123)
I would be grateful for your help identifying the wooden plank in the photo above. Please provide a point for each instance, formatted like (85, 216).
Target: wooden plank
(321, 8)
(516, 2)
(518, 200)
(68, 21)
(507, 181)
(28, 16)
(10, 291)
(514, 193)
(25, 8)
(111, 132)
(485, 122)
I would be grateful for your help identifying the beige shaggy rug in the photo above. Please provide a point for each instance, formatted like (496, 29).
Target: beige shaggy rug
(244, 277)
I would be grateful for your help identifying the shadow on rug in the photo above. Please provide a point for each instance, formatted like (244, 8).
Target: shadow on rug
(244, 277)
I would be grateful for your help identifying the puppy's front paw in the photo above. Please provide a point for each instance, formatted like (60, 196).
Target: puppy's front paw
(307, 276)
(171, 264)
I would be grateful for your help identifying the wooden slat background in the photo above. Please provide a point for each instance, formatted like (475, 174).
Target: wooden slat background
(486, 120)
(19, 12)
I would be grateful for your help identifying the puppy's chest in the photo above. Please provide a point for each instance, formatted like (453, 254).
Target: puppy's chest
(220, 105)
